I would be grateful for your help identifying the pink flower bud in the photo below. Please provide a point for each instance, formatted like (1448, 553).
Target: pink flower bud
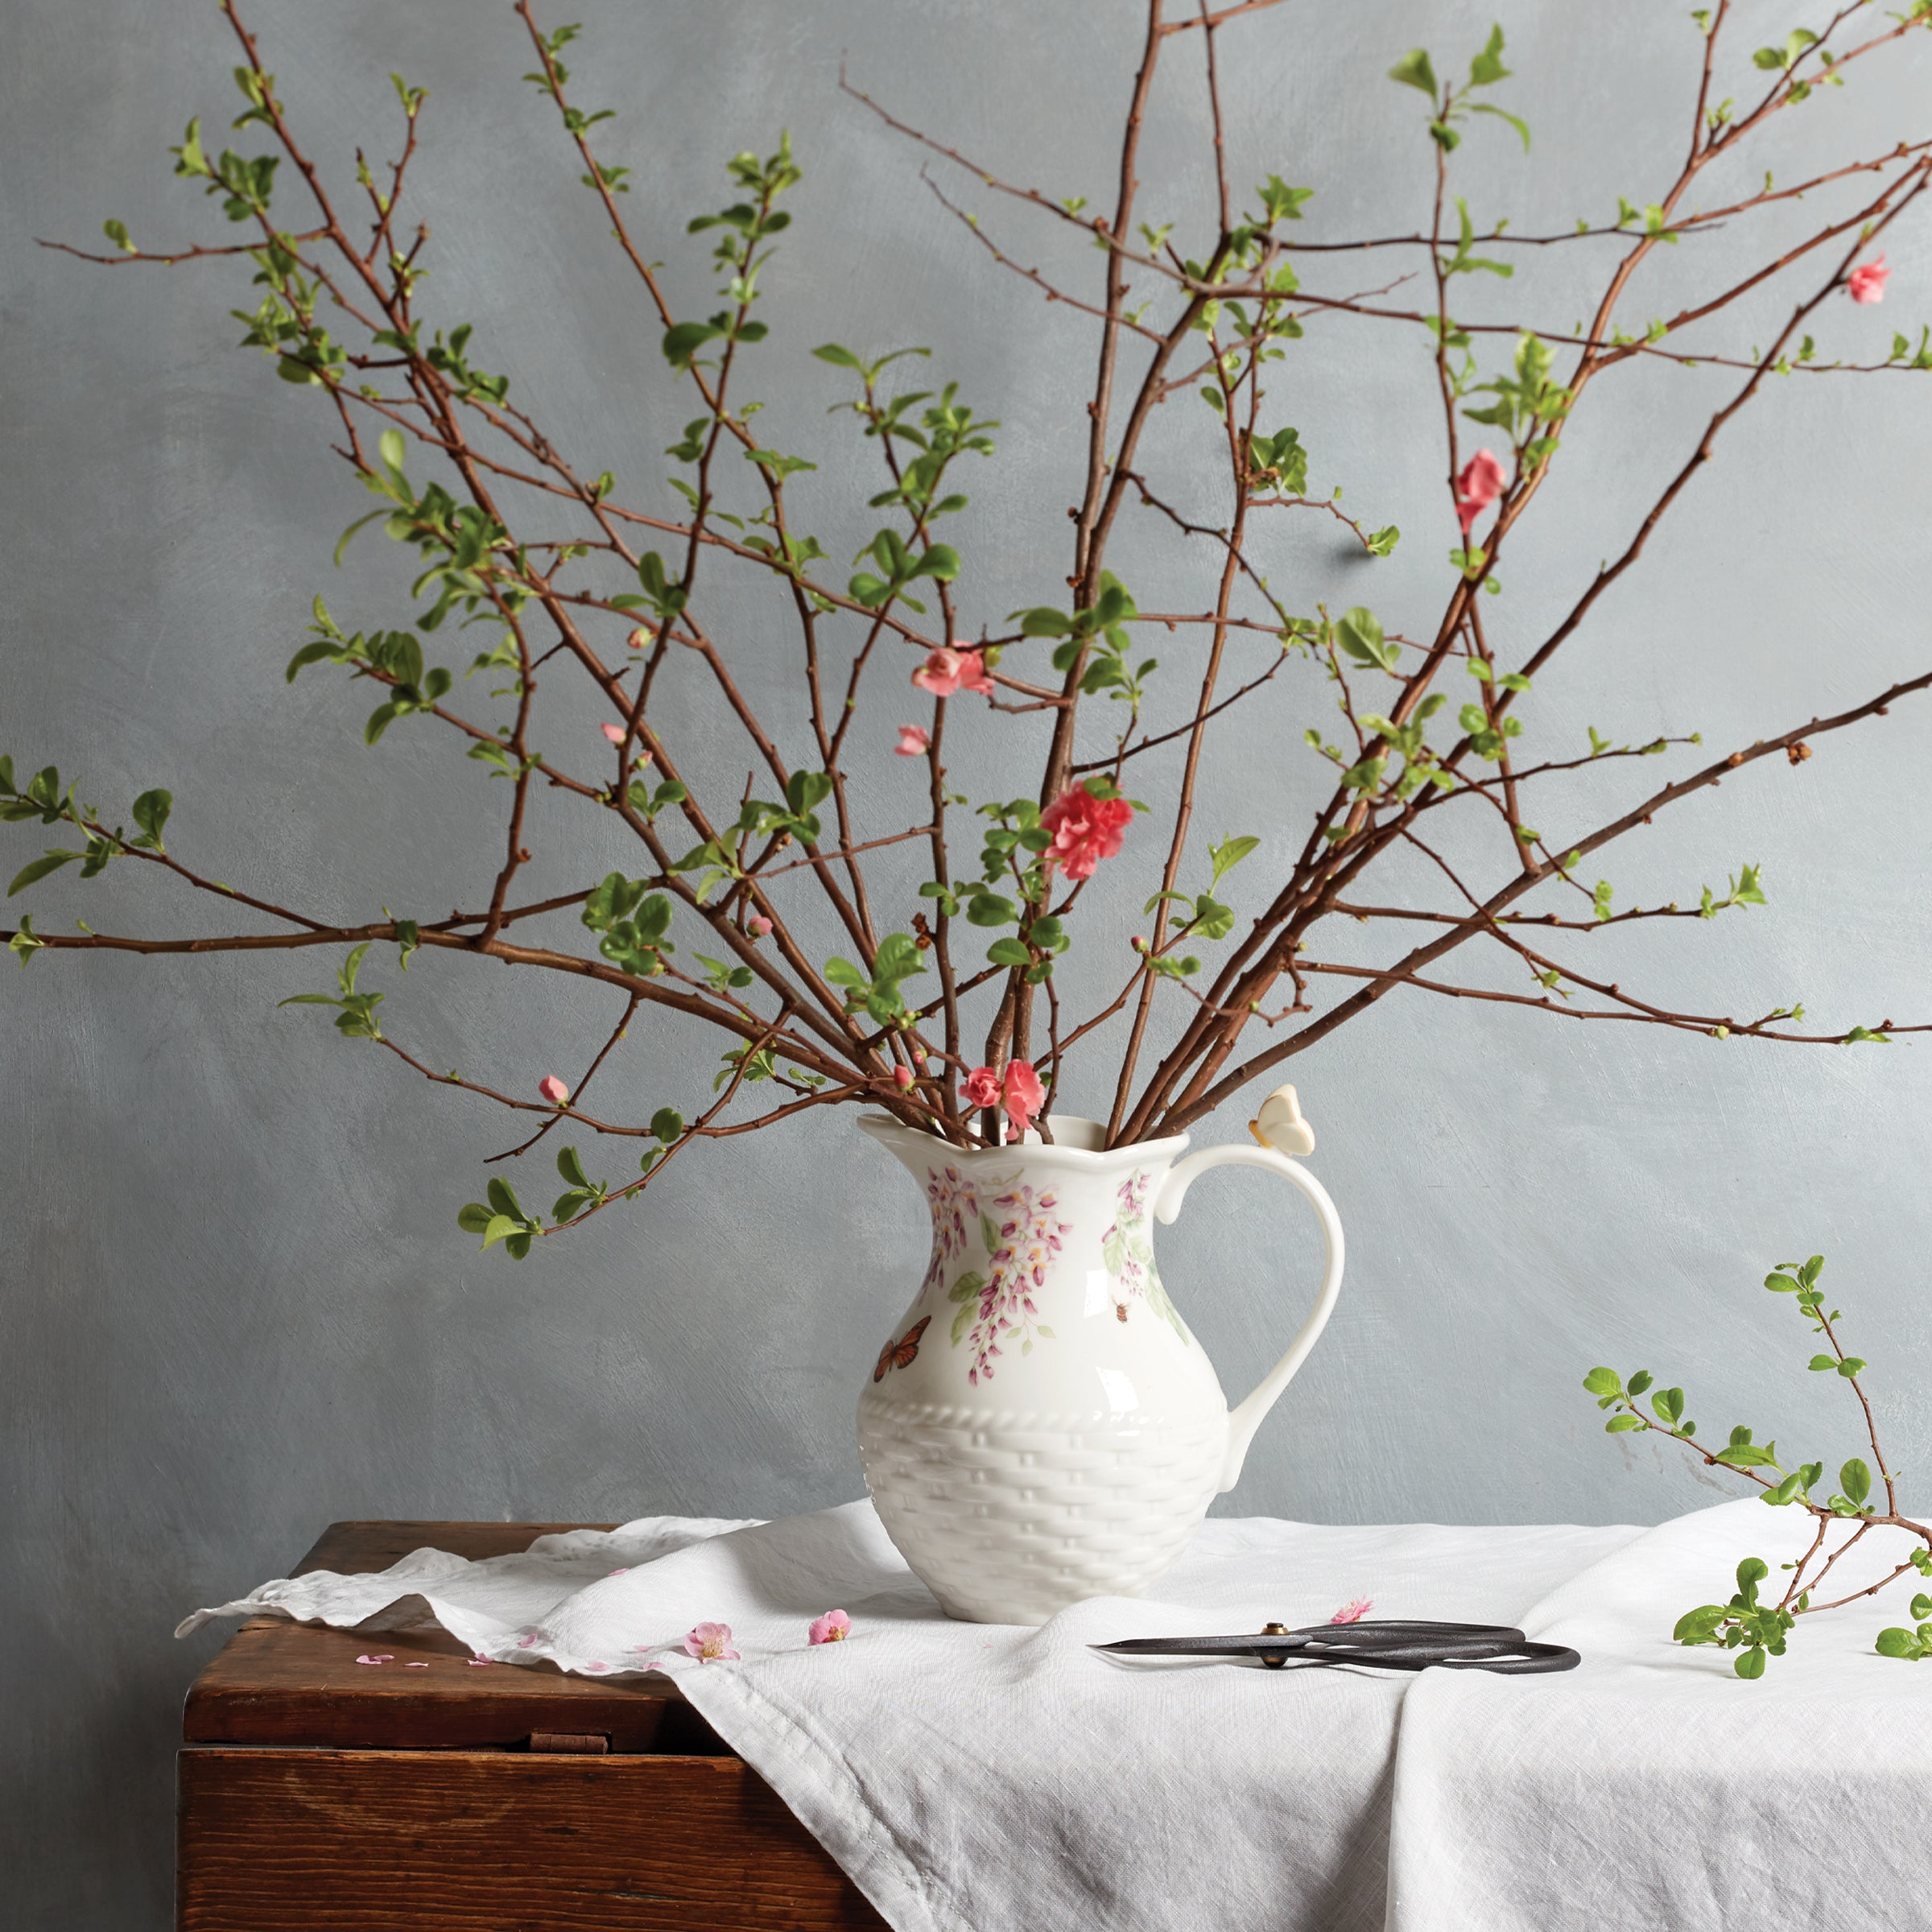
(1867, 282)
(759, 925)
(902, 1078)
(614, 733)
(915, 742)
(553, 1090)
(639, 639)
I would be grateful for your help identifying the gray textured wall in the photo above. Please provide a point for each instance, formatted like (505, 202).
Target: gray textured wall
(234, 1304)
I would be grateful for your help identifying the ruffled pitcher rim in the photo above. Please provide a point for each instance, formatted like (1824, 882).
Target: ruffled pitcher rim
(1069, 1131)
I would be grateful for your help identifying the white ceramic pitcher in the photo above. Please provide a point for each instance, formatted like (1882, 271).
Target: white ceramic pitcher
(1040, 1425)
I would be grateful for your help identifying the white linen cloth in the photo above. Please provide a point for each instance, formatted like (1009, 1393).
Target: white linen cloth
(988, 1778)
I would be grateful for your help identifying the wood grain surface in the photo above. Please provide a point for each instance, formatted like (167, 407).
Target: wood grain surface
(460, 1841)
(276, 1682)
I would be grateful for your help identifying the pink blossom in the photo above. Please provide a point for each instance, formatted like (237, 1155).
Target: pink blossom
(614, 733)
(596, 1666)
(902, 1078)
(1085, 830)
(1867, 282)
(758, 925)
(478, 1663)
(710, 1643)
(1353, 1612)
(834, 1627)
(525, 1643)
(553, 1090)
(640, 638)
(915, 742)
(1479, 484)
(388, 1657)
(982, 1088)
(947, 670)
(1024, 1095)
(609, 1574)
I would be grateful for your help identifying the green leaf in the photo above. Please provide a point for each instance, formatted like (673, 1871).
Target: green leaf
(1487, 68)
(474, 1218)
(831, 352)
(1515, 121)
(1359, 634)
(1604, 1381)
(1229, 854)
(989, 908)
(38, 869)
(151, 814)
(1855, 1479)
(1617, 1424)
(683, 341)
(667, 1123)
(390, 448)
(25, 943)
(1414, 70)
(1750, 1663)
(1896, 1642)
(500, 1226)
(1009, 952)
(572, 1168)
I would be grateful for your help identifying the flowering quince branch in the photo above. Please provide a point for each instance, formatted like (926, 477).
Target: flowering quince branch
(1754, 1628)
(630, 596)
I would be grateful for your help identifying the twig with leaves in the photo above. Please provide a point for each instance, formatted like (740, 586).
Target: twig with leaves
(1750, 1625)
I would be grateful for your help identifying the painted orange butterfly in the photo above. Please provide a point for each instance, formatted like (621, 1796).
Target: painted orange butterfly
(899, 1354)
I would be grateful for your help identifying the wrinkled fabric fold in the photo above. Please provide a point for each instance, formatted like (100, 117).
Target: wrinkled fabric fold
(976, 1778)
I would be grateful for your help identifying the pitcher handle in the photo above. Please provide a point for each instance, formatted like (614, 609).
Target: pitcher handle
(1244, 1421)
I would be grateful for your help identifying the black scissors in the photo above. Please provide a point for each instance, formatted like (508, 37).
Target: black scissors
(1384, 1645)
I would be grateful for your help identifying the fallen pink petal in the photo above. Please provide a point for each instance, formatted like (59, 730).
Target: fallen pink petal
(478, 1663)
(388, 1657)
(415, 1666)
(915, 742)
(1353, 1612)
(710, 1644)
(834, 1627)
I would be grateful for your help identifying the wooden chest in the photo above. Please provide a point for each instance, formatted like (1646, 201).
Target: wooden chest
(318, 1793)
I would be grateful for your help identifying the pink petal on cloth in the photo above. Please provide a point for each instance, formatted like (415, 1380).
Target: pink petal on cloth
(834, 1627)
(596, 1666)
(1353, 1612)
(524, 1643)
(625, 1571)
(710, 1643)
(388, 1657)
